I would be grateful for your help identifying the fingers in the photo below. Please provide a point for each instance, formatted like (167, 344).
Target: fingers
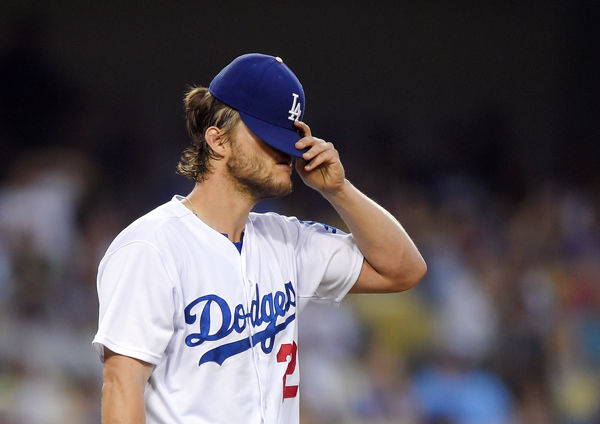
(317, 147)
(319, 151)
(303, 129)
(327, 156)
(308, 141)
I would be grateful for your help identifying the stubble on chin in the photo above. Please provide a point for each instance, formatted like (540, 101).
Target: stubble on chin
(251, 179)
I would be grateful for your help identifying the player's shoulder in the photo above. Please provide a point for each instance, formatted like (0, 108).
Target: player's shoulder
(270, 220)
(151, 228)
(273, 220)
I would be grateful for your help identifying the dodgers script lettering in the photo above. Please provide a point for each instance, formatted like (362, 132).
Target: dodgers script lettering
(265, 309)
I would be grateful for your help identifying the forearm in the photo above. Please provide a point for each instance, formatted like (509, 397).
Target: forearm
(382, 240)
(122, 404)
(393, 262)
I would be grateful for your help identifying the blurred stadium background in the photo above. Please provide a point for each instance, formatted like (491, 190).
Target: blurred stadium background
(476, 124)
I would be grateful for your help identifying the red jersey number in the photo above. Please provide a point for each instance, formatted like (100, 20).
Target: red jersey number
(288, 350)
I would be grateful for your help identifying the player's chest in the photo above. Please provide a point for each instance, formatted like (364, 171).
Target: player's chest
(214, 266)
(231, 301)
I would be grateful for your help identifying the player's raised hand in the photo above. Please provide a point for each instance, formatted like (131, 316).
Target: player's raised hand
(320, 167)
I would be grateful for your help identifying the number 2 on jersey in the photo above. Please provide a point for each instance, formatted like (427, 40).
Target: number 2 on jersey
(288, 349)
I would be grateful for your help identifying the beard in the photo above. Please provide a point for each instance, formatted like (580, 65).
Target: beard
(252, 178)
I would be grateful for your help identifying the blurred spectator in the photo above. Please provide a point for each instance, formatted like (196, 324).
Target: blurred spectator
(387, 395)
(449, 392)
(328, 342)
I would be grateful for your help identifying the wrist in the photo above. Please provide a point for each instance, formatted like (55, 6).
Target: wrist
(338, 192)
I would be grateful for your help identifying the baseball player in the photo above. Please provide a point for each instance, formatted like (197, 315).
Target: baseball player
(200, 298)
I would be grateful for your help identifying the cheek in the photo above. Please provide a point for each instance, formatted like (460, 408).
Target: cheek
(263, 162)
(256, 164)
(251, 158)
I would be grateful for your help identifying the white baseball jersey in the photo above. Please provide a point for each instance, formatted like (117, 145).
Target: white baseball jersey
(219, 325)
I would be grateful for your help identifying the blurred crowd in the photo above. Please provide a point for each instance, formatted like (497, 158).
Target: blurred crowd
(504, 329)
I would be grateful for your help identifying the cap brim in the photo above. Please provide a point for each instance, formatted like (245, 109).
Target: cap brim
(282, 139)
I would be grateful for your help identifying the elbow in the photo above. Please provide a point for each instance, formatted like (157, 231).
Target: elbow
(420, 270)
(411, 275)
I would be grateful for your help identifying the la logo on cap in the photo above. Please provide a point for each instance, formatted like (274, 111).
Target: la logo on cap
(296, 108)
(258, 86)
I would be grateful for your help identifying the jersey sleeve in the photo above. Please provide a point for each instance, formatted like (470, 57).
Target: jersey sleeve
(137, 307)
(328, 262)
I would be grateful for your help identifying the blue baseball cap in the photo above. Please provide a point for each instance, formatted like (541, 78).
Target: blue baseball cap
(267, 95)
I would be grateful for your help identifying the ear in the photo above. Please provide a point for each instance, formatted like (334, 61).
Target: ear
(216, 140)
